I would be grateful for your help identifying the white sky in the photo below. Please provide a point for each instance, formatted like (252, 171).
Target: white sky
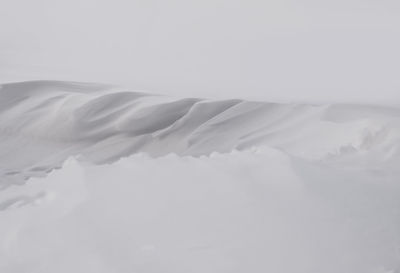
(267, 49)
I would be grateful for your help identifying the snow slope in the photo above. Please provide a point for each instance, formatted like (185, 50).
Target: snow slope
(51, 121)
(212, 186)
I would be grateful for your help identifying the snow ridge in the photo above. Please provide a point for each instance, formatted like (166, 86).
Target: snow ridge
(53, 120)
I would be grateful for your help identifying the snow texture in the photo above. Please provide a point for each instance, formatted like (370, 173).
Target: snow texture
(97, 178)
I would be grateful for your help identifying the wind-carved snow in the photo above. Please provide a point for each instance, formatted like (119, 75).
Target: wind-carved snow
(51, 121)
(162, 184)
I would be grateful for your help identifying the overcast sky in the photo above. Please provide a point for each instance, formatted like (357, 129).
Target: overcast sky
(268, 49)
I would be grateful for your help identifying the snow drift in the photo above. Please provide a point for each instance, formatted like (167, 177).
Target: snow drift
(212, 186)
(253, 211)
(42, 123)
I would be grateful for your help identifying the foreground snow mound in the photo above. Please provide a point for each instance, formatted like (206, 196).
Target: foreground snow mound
(42, 123)
(242, 212)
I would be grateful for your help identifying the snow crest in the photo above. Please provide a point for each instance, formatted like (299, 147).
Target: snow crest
(53, 120)
(150, 183)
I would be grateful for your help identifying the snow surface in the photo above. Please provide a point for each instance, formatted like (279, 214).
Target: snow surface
(96, 178)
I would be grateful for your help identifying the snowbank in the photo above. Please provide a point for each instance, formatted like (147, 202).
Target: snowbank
(43, 123)
(163, 184)
(255, 211)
